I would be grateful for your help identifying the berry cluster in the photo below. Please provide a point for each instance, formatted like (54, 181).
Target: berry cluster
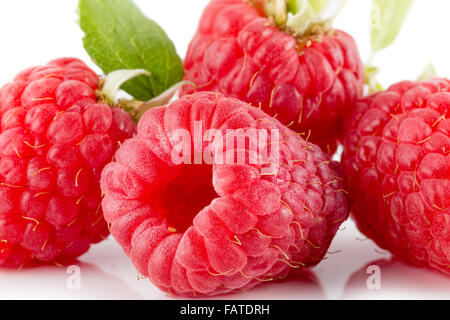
(74, 167)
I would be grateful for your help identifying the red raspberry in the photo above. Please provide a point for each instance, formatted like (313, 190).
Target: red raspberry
(398, 165)
(55, 139)
(306, 83)
(210, 229)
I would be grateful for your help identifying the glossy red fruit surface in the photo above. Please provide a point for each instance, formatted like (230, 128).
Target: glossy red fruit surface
(396, 157)
(55, 139)
(212, 228)
(306, 85)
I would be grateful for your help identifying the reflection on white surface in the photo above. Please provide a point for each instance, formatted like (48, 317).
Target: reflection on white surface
(301, 286)
(106, 273)
(397, 280)
(51, 282)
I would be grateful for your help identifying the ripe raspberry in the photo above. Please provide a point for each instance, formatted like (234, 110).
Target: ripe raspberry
(397, 161)
(211, 229)
(306, 82)
(55, 139)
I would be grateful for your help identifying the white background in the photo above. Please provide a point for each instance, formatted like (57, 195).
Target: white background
(34, 32)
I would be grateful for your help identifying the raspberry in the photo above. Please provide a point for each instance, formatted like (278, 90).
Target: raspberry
(306, 82)
(397, 160)
(207, 229)
(55, 139)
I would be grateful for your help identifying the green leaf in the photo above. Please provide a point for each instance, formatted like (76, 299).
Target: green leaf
(371, 79)
(115, 79)
(293, 6)
(388, 18)
(319, 5)
(428, 73)
(118, 36)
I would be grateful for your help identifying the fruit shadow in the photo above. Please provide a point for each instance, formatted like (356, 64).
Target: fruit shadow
(302, 285)
(393, 279)
(77, 281)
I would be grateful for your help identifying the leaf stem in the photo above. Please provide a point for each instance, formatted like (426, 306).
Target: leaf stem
(160, 100)
(114, 80)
